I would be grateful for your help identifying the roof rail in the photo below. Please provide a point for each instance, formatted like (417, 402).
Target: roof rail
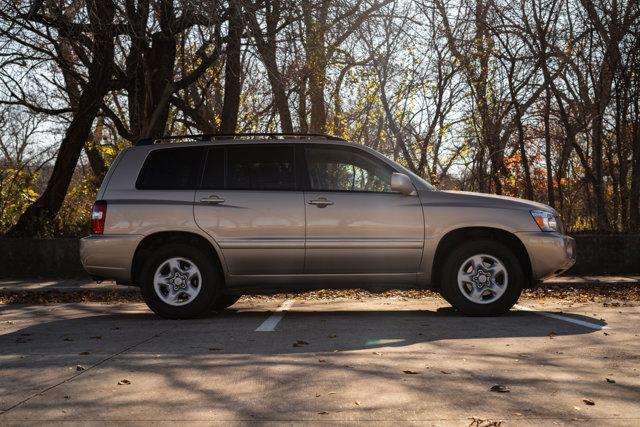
(214, 136)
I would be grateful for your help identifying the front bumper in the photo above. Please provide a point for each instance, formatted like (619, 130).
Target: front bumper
(109, 256)
(550, 253)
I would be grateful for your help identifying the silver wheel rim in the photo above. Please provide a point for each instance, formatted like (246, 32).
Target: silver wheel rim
(177, 281)
(483, 279)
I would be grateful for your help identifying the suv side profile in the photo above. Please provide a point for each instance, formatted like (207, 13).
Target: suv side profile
(198, 224)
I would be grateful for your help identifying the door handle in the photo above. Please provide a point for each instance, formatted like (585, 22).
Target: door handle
(213, 200)
(321, 202)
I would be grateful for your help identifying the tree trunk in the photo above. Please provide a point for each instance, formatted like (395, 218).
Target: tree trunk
(232, 72)
(279, 95)
(97, 163)
(634, 193)
(547, 155)
(266, 44)
(528, 185)
(302, 104)
(38, 216)
(316, 65)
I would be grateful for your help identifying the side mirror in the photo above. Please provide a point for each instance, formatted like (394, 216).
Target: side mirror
(401, 183)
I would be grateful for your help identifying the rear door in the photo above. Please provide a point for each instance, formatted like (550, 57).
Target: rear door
(355, 223)
(250, 204)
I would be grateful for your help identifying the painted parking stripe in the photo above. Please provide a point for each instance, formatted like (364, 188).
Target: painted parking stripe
(562, 318)
(272, 321)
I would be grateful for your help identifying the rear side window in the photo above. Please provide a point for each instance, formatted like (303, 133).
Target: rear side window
(171, 169)
(260, 168)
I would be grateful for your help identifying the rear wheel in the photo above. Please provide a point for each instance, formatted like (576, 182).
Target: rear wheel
(482, 278)
(225, 301)
(179, 282)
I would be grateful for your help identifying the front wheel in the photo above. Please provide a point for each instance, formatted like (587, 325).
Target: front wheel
(179, 282)
(482, 278)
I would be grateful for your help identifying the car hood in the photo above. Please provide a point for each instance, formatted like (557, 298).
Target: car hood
(471, 199)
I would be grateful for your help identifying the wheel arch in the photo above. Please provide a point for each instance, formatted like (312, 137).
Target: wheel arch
(459, 235)
(156, 240)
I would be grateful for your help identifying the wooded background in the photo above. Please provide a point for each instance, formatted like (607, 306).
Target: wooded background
(531, 98)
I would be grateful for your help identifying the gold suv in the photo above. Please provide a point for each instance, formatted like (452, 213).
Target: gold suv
(197, 224)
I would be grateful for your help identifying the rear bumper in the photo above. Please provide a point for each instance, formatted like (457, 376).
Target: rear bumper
(550, 253)
(109, 256)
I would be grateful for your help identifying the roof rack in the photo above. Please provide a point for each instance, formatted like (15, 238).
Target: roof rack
(214, 136)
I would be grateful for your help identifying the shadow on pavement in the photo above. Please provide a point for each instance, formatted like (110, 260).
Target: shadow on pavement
(233, 332)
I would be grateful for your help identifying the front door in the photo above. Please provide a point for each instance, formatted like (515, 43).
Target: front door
(249, 204)
(355, 223)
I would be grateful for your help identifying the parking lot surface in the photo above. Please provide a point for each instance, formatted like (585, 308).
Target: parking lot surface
(339, 360)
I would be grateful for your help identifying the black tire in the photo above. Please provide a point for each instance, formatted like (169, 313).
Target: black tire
(454, 295)
(224, 301)
(210, 283)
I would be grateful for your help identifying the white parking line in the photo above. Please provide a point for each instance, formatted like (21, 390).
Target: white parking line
(563, 318)
(272, 321)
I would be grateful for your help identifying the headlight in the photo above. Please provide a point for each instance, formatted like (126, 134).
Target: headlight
(545, 220)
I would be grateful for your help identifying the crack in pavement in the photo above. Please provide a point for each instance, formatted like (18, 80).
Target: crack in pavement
(71, 378)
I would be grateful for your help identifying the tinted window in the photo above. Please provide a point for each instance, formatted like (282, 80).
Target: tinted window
(171, 169)
(340, 169)
(214, 169)
(260, 168)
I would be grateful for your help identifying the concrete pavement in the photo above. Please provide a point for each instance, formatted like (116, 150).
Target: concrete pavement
(343, 360)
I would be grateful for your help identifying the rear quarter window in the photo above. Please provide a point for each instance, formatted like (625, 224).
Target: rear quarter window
(171, 169)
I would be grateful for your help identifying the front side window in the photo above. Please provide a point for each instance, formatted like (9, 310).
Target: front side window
(171, 169)
(345, 169)
(260, 168)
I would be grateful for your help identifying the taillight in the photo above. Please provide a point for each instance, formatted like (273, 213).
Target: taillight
(98, 217)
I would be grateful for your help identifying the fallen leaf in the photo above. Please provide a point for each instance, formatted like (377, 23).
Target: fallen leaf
(357, 403)
(609, 380)
(446, 372)
(66, 397)
(588, 402)
(79, 368)
(500, 388)
(377, 353)
(411, 372)
(552, 334)
(321, 360)
(323, 412)
(332, 336)
(124, 382)
(300, 343)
